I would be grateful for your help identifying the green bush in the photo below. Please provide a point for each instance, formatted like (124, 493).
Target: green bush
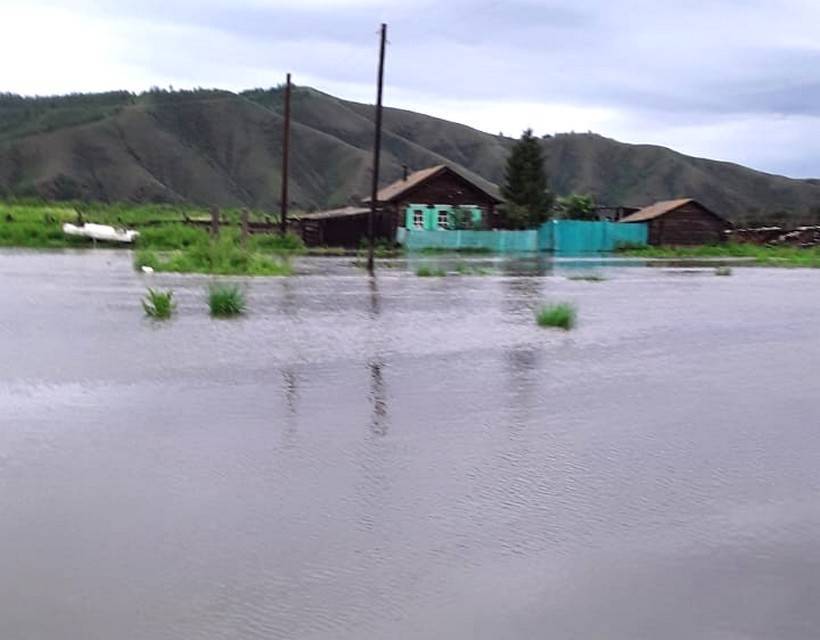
(560, 315)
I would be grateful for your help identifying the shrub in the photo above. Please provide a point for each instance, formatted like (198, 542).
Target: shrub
(560, 315)
(159, 304)
(225, 300)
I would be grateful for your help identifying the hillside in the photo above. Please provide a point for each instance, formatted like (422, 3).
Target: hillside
(217, 147)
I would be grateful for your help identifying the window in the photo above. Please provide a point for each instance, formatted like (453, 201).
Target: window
(443, 219)
(418, 219)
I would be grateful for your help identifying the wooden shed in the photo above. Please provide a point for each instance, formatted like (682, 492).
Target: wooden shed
(683, 221)
(346, 227)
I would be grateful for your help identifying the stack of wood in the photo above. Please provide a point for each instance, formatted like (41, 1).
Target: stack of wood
(808, 236)
(755, 235)
(800, 237)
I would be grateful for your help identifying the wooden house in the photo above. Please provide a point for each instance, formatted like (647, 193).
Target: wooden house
(681, 222)
(426, 199)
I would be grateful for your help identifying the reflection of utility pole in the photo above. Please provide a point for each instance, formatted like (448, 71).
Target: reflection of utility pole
(375, 303)
(283, 219)
(377, 143)
(378, 397)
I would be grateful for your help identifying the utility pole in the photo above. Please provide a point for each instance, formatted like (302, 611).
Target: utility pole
(283, 218)
(377, 143)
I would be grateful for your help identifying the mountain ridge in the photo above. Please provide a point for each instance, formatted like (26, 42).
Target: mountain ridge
(223, 148)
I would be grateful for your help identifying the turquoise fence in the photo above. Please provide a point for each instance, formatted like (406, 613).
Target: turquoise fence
(499, 240)
(577, 236)
(560, 236)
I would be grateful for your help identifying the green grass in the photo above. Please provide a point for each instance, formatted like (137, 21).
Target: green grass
(560, 315)
(226, 300)
(159, 305)
(723, 271)
(37, 235)
(222, 256)
(756, 254)
(430, 272)
(171, 236)
(190, 250)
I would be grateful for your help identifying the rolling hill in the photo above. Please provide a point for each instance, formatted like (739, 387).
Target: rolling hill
(217, 147)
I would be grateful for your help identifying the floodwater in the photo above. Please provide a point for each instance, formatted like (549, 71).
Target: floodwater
(409, 457)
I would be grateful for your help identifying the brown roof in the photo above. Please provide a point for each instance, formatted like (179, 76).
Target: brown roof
(656, 210)
(399, 187)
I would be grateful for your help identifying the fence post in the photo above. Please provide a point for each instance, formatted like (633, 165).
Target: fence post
(214, 221)
(244, 217)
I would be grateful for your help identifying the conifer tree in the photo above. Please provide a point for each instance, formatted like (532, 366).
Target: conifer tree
(528, 201)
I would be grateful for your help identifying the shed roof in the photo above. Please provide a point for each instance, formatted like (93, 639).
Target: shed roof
(402, 186)
(658, 209)
(344, 212)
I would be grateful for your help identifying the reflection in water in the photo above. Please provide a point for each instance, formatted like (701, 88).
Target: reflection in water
(537, 264)
(521, 294)
(291, 390)
(523, 381)
(378, 399)
(375, 301)
(290, 300)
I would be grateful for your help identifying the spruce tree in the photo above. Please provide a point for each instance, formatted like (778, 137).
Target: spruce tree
(528, 201)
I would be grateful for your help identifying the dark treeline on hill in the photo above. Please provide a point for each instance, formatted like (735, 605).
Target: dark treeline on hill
(217, 147)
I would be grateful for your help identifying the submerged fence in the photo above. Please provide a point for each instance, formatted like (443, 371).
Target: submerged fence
(560, 236)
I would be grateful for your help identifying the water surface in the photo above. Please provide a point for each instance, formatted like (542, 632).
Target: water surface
(409, 457)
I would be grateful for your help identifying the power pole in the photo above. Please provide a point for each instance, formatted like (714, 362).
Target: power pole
(283, 218)
(377, 144)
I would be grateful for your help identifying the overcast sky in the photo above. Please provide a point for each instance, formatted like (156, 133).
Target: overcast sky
(735, 80)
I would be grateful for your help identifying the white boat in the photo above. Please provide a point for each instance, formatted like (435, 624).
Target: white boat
(102, 232)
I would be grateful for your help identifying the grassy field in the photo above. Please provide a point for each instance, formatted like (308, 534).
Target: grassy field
(760, 255)
(165, 242)
(39, 225)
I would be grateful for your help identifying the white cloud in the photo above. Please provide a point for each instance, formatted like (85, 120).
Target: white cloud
(731, 79)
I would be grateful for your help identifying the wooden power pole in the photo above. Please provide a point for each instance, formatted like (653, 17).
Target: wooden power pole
(377, 144)
(283, 218)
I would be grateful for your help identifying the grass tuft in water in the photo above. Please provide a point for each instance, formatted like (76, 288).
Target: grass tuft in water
(594, 277)
(430, 272)
(560, 315)
(225, 300)
(159, 305)
(723, 271)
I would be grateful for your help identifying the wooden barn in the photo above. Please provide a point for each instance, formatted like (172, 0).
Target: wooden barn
(682, 222)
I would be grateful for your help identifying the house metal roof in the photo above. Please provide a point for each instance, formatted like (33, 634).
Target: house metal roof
(657, 210)
(399, 187)
(344, 212)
